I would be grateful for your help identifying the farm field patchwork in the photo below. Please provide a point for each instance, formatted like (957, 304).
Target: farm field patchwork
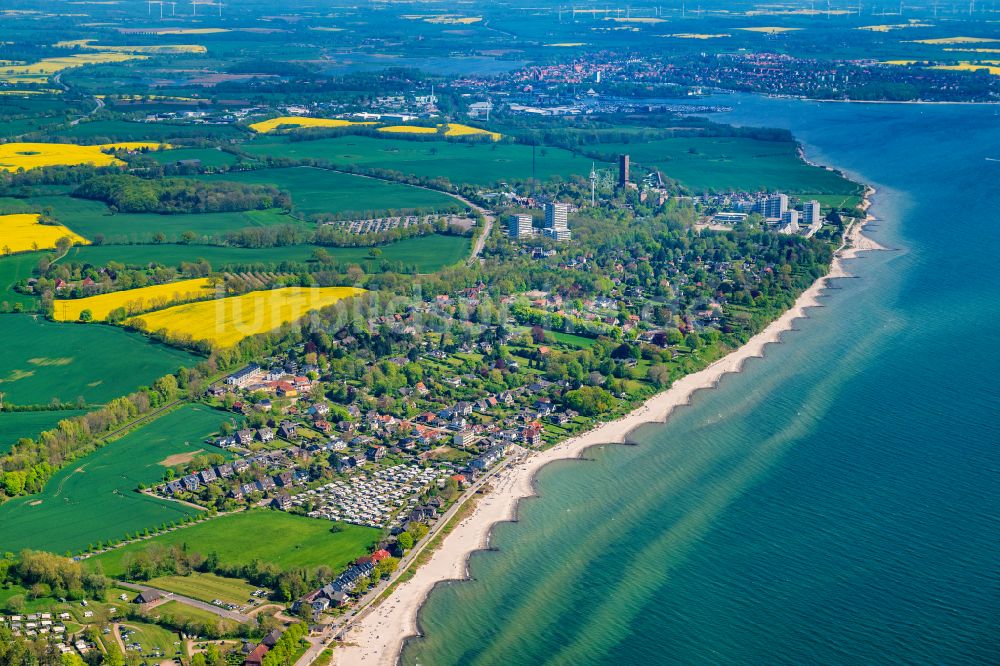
(316, 191)
(23, 232)
(133, 301)
(304, 542)
(472, 163)
(703, 163)
(15, 425)
(44, 360)
(226, 321)
(422, 254)
(27, 156)
(93, 499)
(90, 218)
(48, 66)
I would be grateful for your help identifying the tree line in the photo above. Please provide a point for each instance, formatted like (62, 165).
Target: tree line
(130, 194)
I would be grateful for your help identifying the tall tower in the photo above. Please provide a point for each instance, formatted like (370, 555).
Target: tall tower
(593, 185)
(623, 162)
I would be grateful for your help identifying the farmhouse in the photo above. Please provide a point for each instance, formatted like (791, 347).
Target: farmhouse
(147, 597)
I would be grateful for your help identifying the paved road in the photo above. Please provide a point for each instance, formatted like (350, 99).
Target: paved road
(57, 79)
(171, 596)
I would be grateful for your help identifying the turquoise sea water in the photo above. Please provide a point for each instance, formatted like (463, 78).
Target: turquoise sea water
(836, 503)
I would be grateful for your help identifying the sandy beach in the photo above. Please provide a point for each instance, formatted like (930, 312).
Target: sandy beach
(378, 638)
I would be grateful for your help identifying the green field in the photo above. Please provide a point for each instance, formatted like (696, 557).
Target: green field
(15, 425)
(570, 339)
(43, 360)
(422, 254)
(89, 218)
(94, 498)
(154, 641)
(184, 613)
(206, 587)
(122, 130)
(14, 268)
(704, 163)
(273, 536)
(316, 191)
(210, 157)
(472, 163)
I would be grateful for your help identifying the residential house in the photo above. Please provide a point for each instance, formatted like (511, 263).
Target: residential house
(244, 437)
(282, 501)
(256, 658)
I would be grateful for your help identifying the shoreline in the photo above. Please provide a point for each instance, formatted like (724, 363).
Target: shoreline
(379, 637)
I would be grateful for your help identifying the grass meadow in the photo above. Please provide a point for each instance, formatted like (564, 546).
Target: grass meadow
(93, 499)
(459, 162)
(209, 157)
(703, 163)
(14, 269)
(89, 218)
(156, 642)
(422, 254)
(261, 534)
(185, 613)
(316, 191)
(206, 587)
(15, 425)
(123, 130)
(44, 360)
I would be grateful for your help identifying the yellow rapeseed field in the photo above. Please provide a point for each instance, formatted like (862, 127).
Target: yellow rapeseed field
(992, 66)
(454, 129)
(770, 30)
(893, 26)
(265, 126)
(154, 49)
(226, 321)
(648, 20)
(454, 20)
(49, 66)
(698, 35)
(133, 300)
(975, 50)
(22, 232)
(957, 40)
(14, 156)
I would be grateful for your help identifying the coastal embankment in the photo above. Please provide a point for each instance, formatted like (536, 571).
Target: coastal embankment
(378, 637)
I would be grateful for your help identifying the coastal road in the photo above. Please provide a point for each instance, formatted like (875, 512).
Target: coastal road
(171, 596)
